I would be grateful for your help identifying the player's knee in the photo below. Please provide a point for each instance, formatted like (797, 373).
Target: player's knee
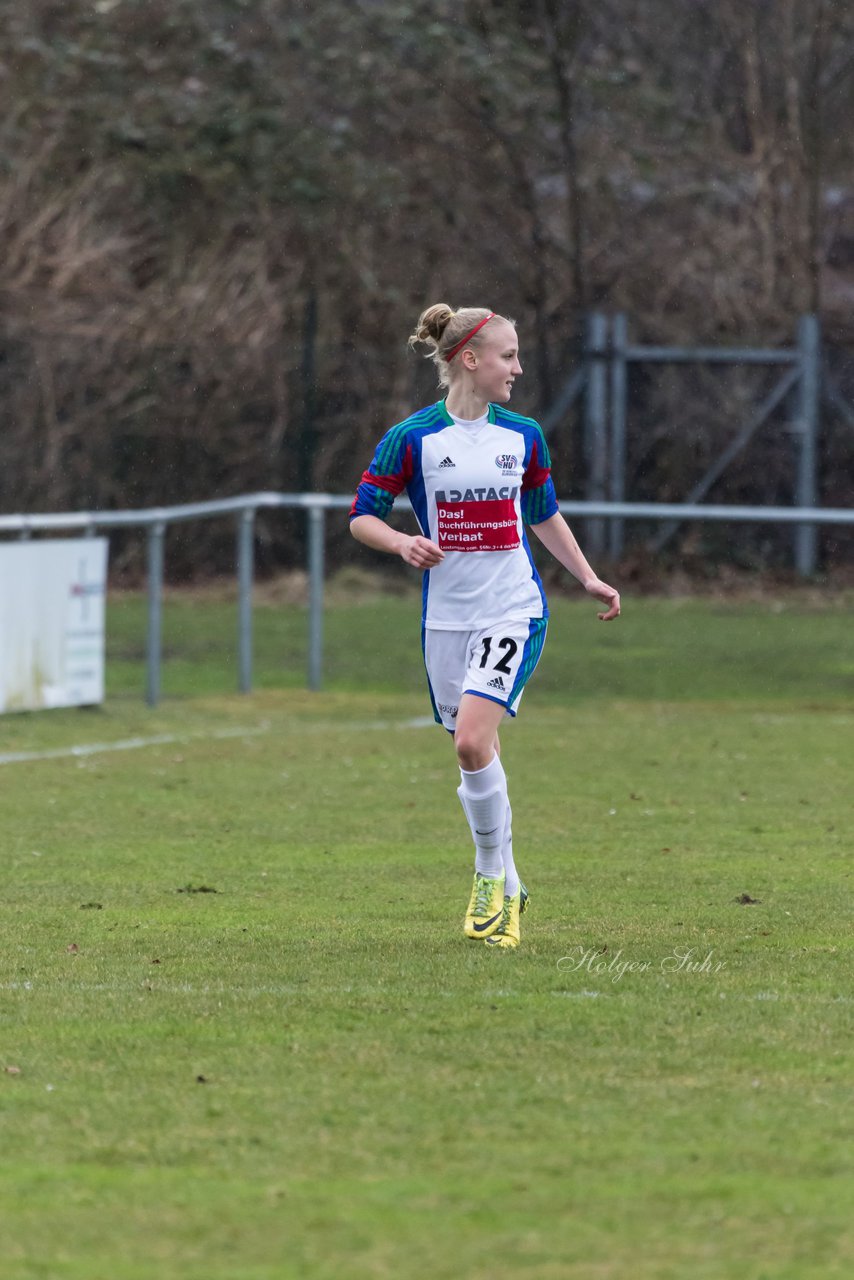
(474, 751)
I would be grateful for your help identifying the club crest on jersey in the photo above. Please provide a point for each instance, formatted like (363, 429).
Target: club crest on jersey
(507, 463)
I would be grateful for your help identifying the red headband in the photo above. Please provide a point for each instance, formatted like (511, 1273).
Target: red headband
(449, 357)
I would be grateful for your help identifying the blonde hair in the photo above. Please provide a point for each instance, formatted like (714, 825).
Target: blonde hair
(441, 328)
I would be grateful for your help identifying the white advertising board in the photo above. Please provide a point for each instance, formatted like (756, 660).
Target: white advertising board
(52, 597)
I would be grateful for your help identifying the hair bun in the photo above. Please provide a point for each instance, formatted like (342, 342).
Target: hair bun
(432, 323)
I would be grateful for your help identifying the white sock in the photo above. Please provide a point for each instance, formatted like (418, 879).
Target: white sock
(483, 795)
(511, 883)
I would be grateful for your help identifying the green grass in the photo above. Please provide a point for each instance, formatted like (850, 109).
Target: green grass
(661, 649)
(310, 1073)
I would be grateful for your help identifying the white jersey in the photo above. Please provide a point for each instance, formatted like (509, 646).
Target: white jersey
(473, 487)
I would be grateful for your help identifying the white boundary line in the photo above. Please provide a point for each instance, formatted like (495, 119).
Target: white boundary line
(165, 739)
(127, 744)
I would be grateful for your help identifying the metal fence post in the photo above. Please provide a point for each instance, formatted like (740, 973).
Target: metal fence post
(156, 537)
(595, 424)
(245, 566)
(316, 537)
(619, 387)
(809, 344)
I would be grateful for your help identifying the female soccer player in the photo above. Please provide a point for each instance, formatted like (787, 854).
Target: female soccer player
(474, 472)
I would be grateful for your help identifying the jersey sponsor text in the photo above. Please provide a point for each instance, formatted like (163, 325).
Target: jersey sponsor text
(478, 526)
(486, 494)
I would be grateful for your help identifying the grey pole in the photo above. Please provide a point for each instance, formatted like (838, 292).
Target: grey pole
(245, 566)
(617, 485)
(595, 424)
(156, 536)
(809, 344)
(316, 532)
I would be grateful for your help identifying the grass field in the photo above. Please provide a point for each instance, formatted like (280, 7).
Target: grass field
(243, 1038)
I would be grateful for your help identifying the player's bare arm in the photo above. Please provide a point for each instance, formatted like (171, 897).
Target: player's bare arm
(557, 537)
(420, 552)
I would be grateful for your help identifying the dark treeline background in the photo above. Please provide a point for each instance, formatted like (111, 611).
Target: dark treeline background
(219, 220)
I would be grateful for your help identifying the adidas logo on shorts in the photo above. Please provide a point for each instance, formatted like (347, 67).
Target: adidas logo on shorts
(447, 462)
(497, 683)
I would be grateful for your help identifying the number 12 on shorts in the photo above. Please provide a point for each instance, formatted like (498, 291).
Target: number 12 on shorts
(501, 662)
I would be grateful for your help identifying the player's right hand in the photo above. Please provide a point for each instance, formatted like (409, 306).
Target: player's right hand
(420, 552)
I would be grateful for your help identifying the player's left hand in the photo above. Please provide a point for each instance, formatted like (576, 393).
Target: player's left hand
(608, 596)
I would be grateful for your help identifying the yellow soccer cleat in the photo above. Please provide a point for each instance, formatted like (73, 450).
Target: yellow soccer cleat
(507, 934)
(486, 906)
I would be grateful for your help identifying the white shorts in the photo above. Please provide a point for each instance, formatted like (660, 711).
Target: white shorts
(495, 663)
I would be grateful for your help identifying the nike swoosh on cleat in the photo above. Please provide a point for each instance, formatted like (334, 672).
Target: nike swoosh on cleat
(479, 928)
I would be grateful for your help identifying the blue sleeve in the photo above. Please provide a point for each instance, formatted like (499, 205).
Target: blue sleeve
(387, 476)
(539, 501)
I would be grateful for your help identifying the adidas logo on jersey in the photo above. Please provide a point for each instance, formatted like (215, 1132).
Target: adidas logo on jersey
(447, 462)
(497, 683)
